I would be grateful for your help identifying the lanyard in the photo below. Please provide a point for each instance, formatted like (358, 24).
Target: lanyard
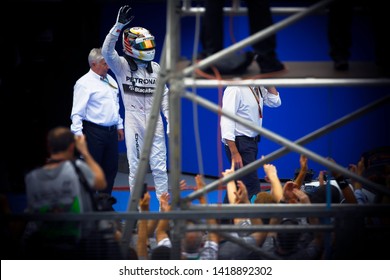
(256, 94)
(105, 79)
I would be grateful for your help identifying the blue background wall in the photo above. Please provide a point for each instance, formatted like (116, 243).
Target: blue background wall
(303, 110)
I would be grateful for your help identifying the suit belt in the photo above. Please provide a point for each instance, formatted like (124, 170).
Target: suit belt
(255, 139)
(107, 128)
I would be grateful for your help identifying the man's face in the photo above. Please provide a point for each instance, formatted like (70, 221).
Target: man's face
(101, 67)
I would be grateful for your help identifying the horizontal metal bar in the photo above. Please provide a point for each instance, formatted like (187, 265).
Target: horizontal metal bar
(267, 227)
(288, 82)
(218, 211)
(240, 11)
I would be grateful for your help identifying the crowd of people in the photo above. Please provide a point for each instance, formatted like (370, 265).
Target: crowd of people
(151, 239)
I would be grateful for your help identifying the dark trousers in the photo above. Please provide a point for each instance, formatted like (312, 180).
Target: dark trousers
(339, 29)
(259, 16)
(341, 14)
(103, 146)
(248, 149)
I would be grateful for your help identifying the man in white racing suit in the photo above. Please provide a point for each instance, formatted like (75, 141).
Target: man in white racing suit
(137, 74)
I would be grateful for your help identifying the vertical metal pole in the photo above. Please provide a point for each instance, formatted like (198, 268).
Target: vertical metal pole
(235, 6)
(175, 91)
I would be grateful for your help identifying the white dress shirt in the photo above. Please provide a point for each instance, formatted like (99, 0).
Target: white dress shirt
(95, 100)
(241, 101)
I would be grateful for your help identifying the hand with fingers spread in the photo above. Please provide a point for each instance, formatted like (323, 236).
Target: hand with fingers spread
(321, 177)
(272, 176)
(303, 170)
(164, 202)
(144, 202)
(122, 19)
(241, 193)
(360, 194)
(183, 184)
(358, 169)
(303, 162)
(124, 16)
(200, 184)
(270, 171)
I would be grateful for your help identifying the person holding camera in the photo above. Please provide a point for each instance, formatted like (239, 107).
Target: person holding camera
(56, 188)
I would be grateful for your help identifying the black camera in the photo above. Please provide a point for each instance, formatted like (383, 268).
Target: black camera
(308, 176)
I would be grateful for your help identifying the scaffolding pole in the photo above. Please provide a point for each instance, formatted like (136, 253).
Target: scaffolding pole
(182, 209)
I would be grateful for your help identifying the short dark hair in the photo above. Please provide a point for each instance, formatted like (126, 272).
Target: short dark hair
(288, 240)
(161, 253)
(320, 194)
(59, 139)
